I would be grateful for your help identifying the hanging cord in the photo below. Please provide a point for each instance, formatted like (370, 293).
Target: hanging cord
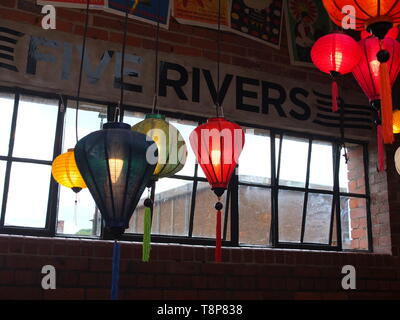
(218, 233)
(78, 95)
(346, 157)
(121, 100)
(155, 100)
(217, 105)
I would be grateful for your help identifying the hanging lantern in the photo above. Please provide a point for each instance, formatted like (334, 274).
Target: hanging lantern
(397, 160)
(217, 145)
(113, 164)
(172, 154)
(375, 16)
(376, 74)
(396, 121)
(172, 151)
(66, 173)
(335, 54)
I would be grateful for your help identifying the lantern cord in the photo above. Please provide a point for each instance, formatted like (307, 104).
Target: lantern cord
(115, 270)
(346, 157)
(76, 210)
(121, 99)
(155, 100)
(386, 103)
(78, 94)
(381, 153)
(217, 102)
(335, 95)
(218, 244)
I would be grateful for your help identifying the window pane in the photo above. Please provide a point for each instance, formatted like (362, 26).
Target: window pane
(255, 159)
(294, 156)
(80, 219)
(205, 213)
(28, 195)
(6, 113)
(136, 222)
(133, 118)
(3, 165)
(354, 223)
(172, 207)
(318, 219)
(90, 119)
(254, 215)
(321, 166)
(352, 175)
(36, 128)
(290, 211)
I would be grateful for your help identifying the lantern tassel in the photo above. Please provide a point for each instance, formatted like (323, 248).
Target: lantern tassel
(218, 237)
(386, 104)
(115, 271)
(381, 153)
(146, 235)
(335, 96)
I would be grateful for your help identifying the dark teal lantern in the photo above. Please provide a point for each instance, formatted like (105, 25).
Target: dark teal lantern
(114, 165)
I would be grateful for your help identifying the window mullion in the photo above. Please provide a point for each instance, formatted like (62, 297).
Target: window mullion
(274, 232)
(336, 195)
(193, 204)
(305, 202)
(10, 152)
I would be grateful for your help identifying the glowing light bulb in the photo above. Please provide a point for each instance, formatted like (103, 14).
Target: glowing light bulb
(375, 67)
(115, 166)
(216, 157)
(338, 59)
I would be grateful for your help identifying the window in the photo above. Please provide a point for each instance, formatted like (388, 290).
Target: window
(290, 190)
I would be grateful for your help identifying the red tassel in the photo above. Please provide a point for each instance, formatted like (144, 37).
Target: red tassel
(335, 96)
(386, 103)
(381, 152)
(218, 237)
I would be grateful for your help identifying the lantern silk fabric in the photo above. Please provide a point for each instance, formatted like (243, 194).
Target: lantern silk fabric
(367, 11)
(172, 151)
(66, 173)
(367, 71)
(114, 166)
(217, 145)
(336, 52)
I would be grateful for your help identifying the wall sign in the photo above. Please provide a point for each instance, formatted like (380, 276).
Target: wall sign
(49, 61)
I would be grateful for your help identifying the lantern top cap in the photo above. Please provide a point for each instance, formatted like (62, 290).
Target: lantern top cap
(70, 150)
(155, 116)
(215, 119)
(116, 125)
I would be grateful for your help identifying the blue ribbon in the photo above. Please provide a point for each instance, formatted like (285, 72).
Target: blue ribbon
(115, 271)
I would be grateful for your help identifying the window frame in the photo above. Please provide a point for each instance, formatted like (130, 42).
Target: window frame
(232, 205)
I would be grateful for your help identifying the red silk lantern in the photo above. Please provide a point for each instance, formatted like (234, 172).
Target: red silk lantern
(376, 16)
(217, 145)
(335, 54)
(376, 78)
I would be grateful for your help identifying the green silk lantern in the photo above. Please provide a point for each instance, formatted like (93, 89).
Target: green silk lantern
(172, 154)
(172, 151)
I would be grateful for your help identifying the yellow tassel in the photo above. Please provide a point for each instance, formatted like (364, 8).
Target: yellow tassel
(386, 104)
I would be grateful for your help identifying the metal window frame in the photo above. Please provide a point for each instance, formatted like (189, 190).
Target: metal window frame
(232, 206)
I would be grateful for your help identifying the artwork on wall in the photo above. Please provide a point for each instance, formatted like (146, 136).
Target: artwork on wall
(306, 22)
(80, 4)
(147, 10)
(203, 13)
(258, 20)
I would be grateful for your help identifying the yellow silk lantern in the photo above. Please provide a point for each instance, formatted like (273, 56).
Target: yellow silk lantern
(172, 151)
(396, 121)
(66, 173)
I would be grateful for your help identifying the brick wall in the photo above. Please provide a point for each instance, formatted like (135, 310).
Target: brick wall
(84, 267)
(83, 270)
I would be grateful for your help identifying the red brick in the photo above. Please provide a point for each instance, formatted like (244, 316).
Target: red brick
(99, 21)
(64, 26)
(173, 37)
(187, 253)
(212, 294)
(199, 282)
(162, 46)
(186, 51)
(6, 277)
(97, 294)
(16, 245)
(65, 294)
(128, 280)
(180, 294)
(145, 281)
(211, 55)
(71, 15)
(307, 296)
(67, 278)
(100, 264)
(94, 33)
(8, 3)
(203, 44)
(142, 29)
(21, 293)
(87, 279)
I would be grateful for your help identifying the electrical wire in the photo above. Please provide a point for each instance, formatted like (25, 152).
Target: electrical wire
(155, 101)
